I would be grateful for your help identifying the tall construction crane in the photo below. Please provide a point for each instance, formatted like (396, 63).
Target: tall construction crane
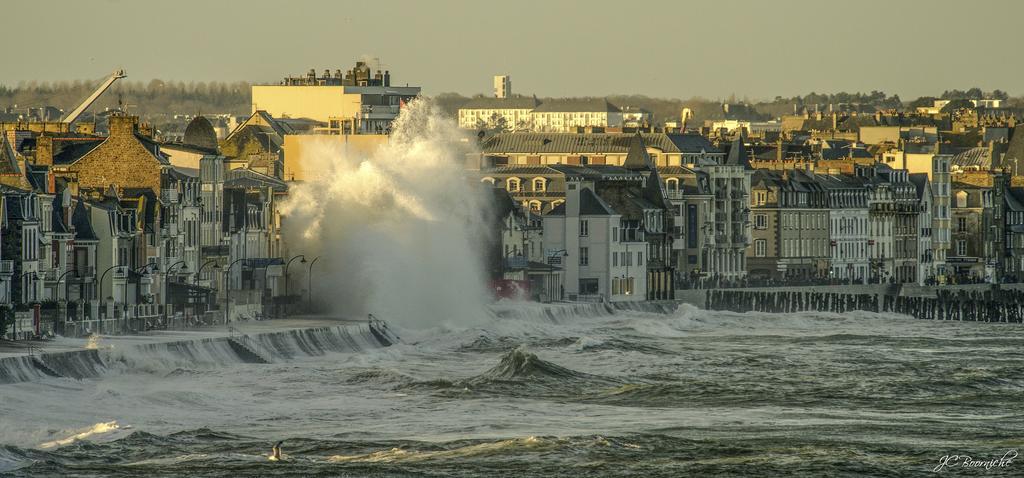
(73, 115)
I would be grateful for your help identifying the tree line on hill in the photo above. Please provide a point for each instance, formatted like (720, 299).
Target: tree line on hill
(158, 98)
(154, 98)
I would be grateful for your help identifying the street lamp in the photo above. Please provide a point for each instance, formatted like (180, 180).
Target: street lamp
(171, 268)
(56, 294)
(303, 261)
(199, 273)
(310, 278)
(35, 276)
(227, 290)
(215, 266)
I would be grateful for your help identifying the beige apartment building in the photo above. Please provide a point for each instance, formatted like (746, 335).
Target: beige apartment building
(354, 103)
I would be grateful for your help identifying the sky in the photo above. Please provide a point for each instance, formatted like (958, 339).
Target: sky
(677, 49)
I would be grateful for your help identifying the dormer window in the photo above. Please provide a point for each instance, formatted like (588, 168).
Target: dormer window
(539, 184)
(512, 184)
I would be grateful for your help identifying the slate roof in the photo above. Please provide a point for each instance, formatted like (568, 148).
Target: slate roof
(247, 178)
(920, 181)
(590, 205)
(200, 133)
(8, 157)
(592, 171)
(515, 103)
(57, 215)
(974, 157)
(738, 154)
(600, 105)
(67, 151)
(637, 157)
(82, 222)
(1015, 150)
(1015, 199)
(845, 152)
(593, 143)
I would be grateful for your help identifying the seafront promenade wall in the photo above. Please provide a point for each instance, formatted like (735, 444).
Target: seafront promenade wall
(697, 297)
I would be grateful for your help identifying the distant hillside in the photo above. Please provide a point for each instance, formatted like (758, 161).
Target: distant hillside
(152, 99)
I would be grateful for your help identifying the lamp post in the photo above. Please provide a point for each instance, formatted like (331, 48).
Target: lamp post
(35, 276)
(309, 276)
(227, 290)
(56, 294)
(215, 266)
(303, 261)
(167, 287)
(99, 296)
(196, 281)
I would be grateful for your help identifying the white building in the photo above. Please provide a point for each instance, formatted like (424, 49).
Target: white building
(941, 214)
(729, 229)
(570, 115)
(600, 259)
(848, 227)
(926, 267)
(505, 114)
(502, 86)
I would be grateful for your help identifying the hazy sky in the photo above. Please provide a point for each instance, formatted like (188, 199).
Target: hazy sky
(551, 48)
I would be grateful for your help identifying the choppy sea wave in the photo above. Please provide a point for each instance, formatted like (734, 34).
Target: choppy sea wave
(572, 391)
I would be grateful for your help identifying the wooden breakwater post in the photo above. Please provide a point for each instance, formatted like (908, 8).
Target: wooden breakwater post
(994, 304)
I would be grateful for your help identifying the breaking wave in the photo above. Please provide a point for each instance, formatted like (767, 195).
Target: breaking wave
(186, 356)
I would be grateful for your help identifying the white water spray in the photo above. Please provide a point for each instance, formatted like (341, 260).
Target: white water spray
(397, 230)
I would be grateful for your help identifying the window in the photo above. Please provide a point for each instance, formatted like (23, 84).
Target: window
(512, 184)
(615, 234)
(584, 228)
(961, 224)
(584, 256)
(760, 248)
(615, 260)
(589, 286)
(761, 197)
(640, 258)
(761, 221)
(961, 199)
(538, 184)
(961, 248)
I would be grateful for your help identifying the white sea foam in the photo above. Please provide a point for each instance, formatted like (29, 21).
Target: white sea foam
(397, 231)
(81, 434)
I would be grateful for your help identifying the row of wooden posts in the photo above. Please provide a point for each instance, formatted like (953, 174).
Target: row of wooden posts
(993, 305)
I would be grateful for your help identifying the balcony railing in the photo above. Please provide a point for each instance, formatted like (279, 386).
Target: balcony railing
(515, 262)
(6, 267)
(675, 194)
(169, 195)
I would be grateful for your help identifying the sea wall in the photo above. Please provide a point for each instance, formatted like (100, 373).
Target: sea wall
(697, 297)
(207, 352)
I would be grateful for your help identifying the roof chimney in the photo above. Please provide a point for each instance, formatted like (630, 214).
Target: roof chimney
(122, 125)
(44, 150)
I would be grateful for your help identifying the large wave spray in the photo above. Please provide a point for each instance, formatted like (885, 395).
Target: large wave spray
(397, 229)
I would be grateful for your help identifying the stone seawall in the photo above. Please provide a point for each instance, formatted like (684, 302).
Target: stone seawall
(697, 297)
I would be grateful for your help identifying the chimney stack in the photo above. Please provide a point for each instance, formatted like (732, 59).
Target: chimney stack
(123, 125)
(44, 151)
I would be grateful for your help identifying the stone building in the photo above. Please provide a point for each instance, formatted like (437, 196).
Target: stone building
(790, 239)
(848, 226)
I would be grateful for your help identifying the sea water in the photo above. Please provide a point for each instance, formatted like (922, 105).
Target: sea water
(569, 391)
